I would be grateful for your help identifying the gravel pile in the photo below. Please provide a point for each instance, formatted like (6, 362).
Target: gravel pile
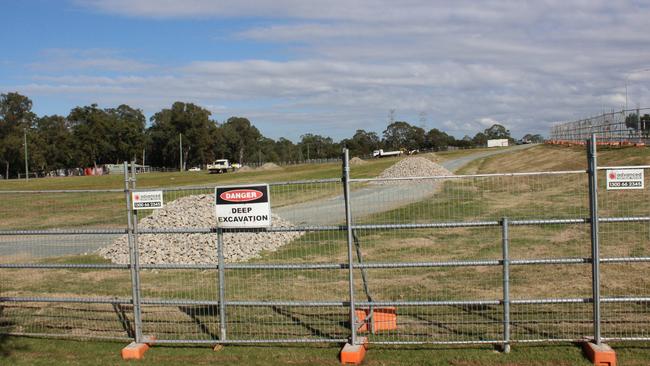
(269, 166)
(413, 167)
(194, 212)
(245, 168)
(357, 161)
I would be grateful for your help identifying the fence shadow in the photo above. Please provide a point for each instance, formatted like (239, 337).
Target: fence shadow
(195, 312)
(127, 325)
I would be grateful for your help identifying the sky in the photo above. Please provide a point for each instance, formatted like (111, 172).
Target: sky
(332, 67)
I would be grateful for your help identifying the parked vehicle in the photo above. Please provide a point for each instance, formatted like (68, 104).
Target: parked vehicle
(195, 169)
(222, 166)
(382, 154)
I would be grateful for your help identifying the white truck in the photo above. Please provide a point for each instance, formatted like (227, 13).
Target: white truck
(382, 154)
(222, 166)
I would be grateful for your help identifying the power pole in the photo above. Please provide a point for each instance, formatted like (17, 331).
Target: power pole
(26, 163)
(180, 138)
(143, 158)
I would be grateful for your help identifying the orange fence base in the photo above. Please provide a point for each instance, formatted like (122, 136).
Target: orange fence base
(353, 354)
(136, 351)
(382, 319)
(601, 355)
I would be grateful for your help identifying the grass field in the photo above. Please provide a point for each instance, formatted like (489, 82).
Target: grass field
(466, 199)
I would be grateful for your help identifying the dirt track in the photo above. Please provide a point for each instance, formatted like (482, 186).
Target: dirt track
(374, 198)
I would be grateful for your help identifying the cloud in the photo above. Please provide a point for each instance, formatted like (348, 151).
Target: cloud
(523, 64)
(62, 59)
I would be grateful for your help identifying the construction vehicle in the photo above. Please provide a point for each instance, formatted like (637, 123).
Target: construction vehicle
(222, 166)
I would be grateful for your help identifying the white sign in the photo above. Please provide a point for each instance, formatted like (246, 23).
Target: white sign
(625, 179)
(147, 200)
(243, 206)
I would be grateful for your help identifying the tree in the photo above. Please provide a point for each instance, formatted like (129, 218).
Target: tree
(437, 140)
(104, 136)
(497, 131)
(318, 147)
(362, 143)
(632, 122)
(400, 135)
(644, 123)
(242, 138)
(197, 130)
(286, 150)
(128, 132)
(52, 145)
(537, 138)
(15, 116)
(480, 139)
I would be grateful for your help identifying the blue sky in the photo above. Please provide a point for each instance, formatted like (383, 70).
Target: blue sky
(332, 67)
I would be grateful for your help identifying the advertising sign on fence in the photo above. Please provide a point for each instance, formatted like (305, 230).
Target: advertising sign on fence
(625, 179)
(147, 200)
(243, 206)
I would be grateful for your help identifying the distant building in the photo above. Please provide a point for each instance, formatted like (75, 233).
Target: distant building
(119, 168)
(497, 143)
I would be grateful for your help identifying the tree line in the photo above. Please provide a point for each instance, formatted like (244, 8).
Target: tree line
(90, 136)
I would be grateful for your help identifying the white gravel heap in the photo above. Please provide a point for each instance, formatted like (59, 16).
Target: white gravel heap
(414, 166)
(195, 212)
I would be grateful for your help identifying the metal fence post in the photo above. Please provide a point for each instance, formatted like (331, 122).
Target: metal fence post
(222, 286)
(348, 223)
(595, 250)
(505, 243)
(133, 249)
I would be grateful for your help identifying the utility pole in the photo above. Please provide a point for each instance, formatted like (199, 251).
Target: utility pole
(180, 138)
(26, 163)
(142, 158)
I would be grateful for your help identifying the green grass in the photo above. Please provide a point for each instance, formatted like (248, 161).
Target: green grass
(33, 351)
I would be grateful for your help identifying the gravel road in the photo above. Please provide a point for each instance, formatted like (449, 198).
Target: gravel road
(375, 198)
(368, 200)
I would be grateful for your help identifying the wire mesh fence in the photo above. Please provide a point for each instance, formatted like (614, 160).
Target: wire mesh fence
(624, 127)
(484, 258)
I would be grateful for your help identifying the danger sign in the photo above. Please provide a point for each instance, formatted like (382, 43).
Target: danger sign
(625, 179)
(243, 206)
(147, 200)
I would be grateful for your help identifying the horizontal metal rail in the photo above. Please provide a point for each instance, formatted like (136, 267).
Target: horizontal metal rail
(624, 167)
(80, 300)
(213, 186)
(441, 177)
(405, 343)
(65, 232)
(70, 336)
(116, 190)
(430, 225)
(177, 302)
(332, 266)
(64, 266)
(250, 341)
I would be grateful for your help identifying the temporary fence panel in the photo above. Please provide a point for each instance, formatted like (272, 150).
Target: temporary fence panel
(455, 259)
(52, 281)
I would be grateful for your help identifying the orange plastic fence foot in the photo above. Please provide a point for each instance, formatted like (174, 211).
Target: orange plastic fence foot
(136, 351)
(601, 355)
(353, 354)
(384, 318)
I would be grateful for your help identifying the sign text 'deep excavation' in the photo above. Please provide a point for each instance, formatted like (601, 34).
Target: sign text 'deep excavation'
(243, 206)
